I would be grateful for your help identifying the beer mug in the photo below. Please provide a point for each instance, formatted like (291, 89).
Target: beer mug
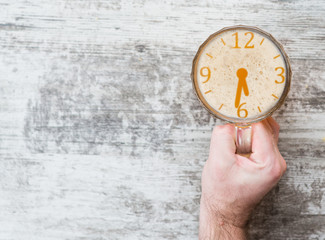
(241, 74)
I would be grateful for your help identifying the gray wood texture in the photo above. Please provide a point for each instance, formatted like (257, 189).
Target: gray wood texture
(101, 134)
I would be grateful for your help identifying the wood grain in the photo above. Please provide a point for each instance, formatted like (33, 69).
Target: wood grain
(102, 137)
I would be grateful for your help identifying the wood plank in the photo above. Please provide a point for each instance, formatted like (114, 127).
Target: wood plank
(102, 136)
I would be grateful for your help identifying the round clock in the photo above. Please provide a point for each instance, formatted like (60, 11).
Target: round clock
(241, 74)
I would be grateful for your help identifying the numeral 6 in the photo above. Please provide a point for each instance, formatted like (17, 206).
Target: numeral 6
(242, 110)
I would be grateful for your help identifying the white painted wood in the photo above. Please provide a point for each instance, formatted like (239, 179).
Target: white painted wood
(102, 137)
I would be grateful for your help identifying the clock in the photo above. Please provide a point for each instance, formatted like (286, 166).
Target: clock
(241, 74)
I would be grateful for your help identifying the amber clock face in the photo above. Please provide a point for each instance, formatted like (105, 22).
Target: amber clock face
(241, 74)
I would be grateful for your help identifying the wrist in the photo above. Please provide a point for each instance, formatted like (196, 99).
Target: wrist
(214, 225)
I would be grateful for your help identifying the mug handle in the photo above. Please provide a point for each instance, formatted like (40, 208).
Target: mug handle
(243, 139)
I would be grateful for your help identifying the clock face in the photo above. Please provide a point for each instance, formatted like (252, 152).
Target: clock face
(241, 74)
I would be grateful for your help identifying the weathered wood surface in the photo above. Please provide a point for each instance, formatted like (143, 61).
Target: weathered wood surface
(102, 137)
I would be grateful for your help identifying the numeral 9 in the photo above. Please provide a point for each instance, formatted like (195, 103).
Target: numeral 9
(207, 75)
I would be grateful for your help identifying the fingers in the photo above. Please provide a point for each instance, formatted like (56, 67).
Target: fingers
(222, 142)
(223, 138)
(265, 159)
(264, 144)
(263, 138)
(275, 128)
(264, 147)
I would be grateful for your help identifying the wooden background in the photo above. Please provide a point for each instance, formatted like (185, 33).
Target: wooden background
(101, 134)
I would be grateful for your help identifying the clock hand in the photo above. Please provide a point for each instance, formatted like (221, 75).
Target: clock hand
(238, 93)
(242, 85)
(245, 87)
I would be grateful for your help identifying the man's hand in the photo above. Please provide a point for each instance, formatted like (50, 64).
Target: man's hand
(232, 185)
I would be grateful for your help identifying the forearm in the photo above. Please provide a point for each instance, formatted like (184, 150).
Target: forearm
(214, 227)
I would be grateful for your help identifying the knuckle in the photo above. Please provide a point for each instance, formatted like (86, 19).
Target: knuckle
(276, 171)
(275, 124)
(277, 127)
(284, 165)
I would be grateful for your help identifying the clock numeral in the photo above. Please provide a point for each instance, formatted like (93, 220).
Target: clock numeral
(207, 75)
(239, 110)
(280, 75)
(252, 36)
(236, 35)
(247, 44)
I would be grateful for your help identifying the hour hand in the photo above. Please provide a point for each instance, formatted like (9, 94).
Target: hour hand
(245, 87)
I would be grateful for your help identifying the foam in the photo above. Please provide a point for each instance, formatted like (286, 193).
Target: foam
(259, 63)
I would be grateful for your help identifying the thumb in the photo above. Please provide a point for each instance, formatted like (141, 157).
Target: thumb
(222, 146)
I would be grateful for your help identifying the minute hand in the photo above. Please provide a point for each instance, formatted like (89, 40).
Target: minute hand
(242, 85)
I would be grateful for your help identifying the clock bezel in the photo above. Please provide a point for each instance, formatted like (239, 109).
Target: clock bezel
(214, 112)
